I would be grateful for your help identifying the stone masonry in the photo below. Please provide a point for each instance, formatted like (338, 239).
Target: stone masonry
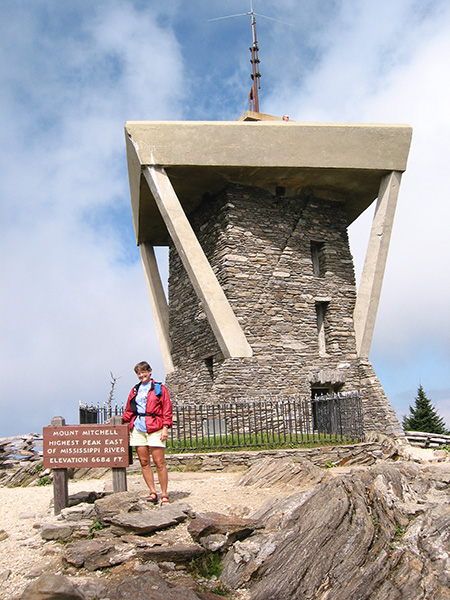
(285, 266)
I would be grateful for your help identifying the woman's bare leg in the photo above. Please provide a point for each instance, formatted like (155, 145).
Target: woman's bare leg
(144, 458)
(160, 464)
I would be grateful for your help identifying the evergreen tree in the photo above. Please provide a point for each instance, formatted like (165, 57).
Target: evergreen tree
(423, 417)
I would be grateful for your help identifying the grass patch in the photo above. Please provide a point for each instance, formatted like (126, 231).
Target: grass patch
(207, 566)
(399, 531)
(375, 521)
(232, 443)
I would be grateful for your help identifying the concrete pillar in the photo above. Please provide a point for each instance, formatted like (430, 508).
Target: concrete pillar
(223, 322)
(374, 266)
(158, 303)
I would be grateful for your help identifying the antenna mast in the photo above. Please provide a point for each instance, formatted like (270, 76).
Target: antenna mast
(256, 75)
(254, 49)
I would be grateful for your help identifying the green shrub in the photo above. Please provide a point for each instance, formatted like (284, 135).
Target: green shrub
(46, 480)
(206, 566)
(97, 526)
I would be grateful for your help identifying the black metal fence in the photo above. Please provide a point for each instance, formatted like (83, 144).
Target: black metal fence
(259, 423)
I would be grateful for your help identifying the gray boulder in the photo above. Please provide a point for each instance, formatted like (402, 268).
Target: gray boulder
(299, 473)
(51, 587)
(56, 530)
(175, 553)
(152, 586)
(215, 530)
(92, 587)
(377, 534)
(115, 504)
(151, 519)
(78, 512)
(85, 497)
(98, 553)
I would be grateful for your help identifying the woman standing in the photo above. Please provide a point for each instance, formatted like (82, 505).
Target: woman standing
(149, 413)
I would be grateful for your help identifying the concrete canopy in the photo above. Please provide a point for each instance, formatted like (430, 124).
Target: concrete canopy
(338, 161)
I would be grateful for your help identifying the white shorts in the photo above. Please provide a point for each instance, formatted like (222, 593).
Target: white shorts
(141, 438)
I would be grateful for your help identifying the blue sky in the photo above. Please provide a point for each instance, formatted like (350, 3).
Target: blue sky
(74, 304)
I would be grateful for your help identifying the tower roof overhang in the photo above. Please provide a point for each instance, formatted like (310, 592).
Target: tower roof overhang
(343, 162)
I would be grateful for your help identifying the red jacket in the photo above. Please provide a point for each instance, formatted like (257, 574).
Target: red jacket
(159, 406)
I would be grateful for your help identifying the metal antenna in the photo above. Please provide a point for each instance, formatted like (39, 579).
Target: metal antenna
(253, 98)
(256, 75)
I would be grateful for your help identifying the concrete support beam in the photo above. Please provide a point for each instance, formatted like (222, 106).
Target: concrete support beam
(158, 303)
(374, 266)
(223, 321)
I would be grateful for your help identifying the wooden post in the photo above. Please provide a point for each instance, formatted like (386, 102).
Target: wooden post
(60, 478)
(119, 474)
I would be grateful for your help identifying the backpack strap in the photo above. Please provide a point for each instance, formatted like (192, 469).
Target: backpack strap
(158, 391)
(157, 387)
(148, 415)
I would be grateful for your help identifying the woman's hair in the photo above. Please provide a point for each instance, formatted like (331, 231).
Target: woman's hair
(142, 366)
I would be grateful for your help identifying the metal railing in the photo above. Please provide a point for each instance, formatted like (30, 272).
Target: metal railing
(339, 414)
(261, 422)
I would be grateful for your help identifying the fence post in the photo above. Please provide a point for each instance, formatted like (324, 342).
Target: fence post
(119, 474)
(60, 478)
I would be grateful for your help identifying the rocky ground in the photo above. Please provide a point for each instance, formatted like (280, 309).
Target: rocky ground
(286, 529)
(25, 555)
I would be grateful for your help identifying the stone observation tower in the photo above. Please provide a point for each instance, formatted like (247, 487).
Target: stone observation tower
(262, 294)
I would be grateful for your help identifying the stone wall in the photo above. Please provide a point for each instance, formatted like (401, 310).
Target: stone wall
(355, 454)
(285, 265)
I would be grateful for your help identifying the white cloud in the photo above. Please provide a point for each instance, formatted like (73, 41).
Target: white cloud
(387, 62)
(74, 304)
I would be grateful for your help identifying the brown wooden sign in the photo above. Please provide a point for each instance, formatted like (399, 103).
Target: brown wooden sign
(75, 446)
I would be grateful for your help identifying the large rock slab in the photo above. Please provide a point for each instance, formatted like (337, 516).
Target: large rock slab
(151, 519)
(115, 504)
(153, 587)
(275, 515)
(129, 512)
(147, 586)
(78, 512)
(51, 587)
(176, 553)
(295, 473)
(378, 534)
(98, 554)
(244, 560)
(56, 530)
(85, 497)
(215, 530)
